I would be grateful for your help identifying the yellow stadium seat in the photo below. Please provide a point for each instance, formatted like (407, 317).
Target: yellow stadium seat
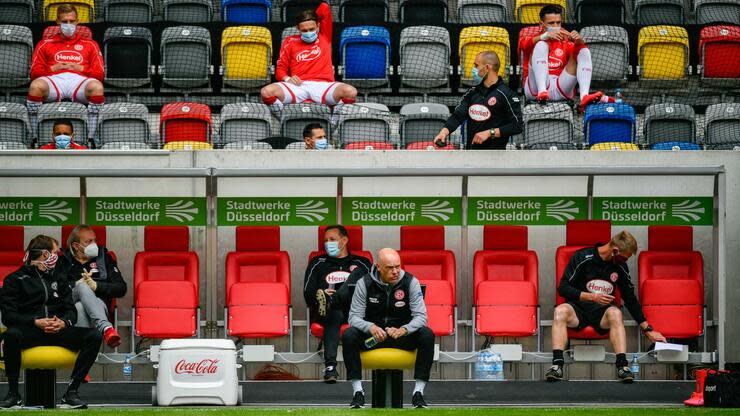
(387, 359)
(476, 39)
(663, 53)
(614, 146)
(187, 145)
(528, 11)
(246, 55)
(85, 9)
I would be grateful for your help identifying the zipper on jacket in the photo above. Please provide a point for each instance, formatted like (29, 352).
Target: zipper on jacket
(46, 294)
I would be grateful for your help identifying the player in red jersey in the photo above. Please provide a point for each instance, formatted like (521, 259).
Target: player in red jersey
(555, 61)
(304, 69)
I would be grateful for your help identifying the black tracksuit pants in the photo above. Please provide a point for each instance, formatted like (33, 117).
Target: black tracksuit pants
(332, 323)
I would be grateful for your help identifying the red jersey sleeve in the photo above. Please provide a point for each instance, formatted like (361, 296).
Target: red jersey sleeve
(39, 64)
(326, 25)
(526, 46)
(96, 69)
(283, 64)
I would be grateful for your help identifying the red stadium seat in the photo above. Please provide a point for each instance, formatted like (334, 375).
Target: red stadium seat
(100, 234)
(505, 276)
(581, 234)
(11, 250)
(423, 254)
(368, 146)
(428, 146)
(52, 31)
(719, 51)
(166, 285)
(185, 121)
(258, 285)
(671, 282)
(524, 32)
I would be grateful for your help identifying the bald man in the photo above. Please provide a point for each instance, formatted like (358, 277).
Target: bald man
(490, 108)
(388, 305)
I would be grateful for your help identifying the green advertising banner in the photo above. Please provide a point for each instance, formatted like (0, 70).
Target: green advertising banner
(527, 210)
(39, 211)
(396, 210)
(133, 211)
(683, 210)
(277, 211)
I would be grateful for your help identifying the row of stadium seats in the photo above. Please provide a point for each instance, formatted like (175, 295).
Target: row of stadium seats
(643, 12)
(505, 279)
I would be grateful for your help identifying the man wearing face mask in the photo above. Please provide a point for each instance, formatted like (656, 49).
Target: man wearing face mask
(490, 108)
(38, 310)
(314, 136)
(588, 286)
(93, 275)
(63, 137)
(326, 274)
(66, 67)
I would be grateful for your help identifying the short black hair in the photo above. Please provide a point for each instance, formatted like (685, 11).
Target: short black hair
(310, 127)
(63, 122)
(340, 228)
(38, 245)
(305, 16)
(550, 9)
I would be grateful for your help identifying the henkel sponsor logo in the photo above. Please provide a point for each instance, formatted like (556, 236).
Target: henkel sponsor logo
(337, 277)
(600, 286)
(555, 63)
(197, 368)
(479, 112)
(73, 57)
(309, 55)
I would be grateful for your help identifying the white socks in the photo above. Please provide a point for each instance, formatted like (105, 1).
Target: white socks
(356, 386)
(419, 386)
(538, 65)
(583, 72)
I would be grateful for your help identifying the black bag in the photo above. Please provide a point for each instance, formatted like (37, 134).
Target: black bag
(722, 389)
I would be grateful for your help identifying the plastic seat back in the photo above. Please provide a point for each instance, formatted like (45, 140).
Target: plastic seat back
(127, 51)
(246, 11)
(128, 11)
(365, 53)
(663, 53)
(528, 11)
(416, 12)
(355, 242)
(719, 54)
(85, 9)
(477, 39)
(482, 11)
(17, 11)
(246, 56)
(612, 122)
(11, 250)
(185, 121)
(425, 56)
(16, 46)
(600, 12)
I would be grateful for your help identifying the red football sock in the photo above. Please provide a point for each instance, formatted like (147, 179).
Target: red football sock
(97, 99)
(269, 100)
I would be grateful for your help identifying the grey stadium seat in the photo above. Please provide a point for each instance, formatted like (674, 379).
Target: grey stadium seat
(126, 146)
(247, 146)
(16, 48)
(722, 122)
(669, 122)
(420, 122)
(659, 12)
(188, 11)
(296, 116)
(717, 11)
(17, 11)
(128, 11)
(14, 126)
(123, 122)
(364, 122)
(185, 54)
(288, 31)
(363, 12)
(244, 123)
(482, 11)
(296, 146)
(74, 112)
(127, 51)
(610, 51)
(425, 57)
(549, 126)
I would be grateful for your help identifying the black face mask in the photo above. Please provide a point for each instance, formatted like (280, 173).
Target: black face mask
(618, 258)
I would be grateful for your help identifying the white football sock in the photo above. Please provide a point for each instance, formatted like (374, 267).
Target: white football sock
(419, 386)
(584, 71)
(356, 386)
(539, 65)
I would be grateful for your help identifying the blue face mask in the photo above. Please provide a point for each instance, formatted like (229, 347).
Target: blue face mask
(320, 144)
(310, 37)
(332, 248)
(477, 78)
(62, 141)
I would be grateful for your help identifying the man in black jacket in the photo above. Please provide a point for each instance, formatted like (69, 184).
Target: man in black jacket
(490, 108)
(93, 275)
(38, 310)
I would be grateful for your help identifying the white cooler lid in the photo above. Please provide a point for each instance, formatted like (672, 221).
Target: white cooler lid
(201, 344)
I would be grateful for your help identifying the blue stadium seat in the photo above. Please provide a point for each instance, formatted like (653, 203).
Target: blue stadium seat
(365, 55)
(614, 122)
(246, 11)
(676, 146)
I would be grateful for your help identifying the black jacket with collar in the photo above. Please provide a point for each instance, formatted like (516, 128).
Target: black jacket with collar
(109, 279)
(29, 294)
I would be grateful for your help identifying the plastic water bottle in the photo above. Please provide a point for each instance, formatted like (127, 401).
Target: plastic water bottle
(497, 371)
(483, 364)
(618, 95)
(128, 368)
(510, 145)
(635, 367)
(371, 342)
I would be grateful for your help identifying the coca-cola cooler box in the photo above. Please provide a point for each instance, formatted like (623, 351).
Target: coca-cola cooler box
(197, 371)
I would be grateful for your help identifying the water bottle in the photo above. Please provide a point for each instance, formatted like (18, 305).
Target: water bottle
(128, 368)
(635, 367)
(371, 342)
(618, 95)
(510, 145)
(483, 364)
(498, 367)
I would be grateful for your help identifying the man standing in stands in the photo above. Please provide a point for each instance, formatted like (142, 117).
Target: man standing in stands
(555, 60)
(63, 137)
(66, 67)
(325, 276)
(588, 286)
(491, 109)
(304, 69)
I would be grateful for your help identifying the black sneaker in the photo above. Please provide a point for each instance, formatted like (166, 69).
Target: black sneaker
(417, 400)
(12, 401)
(554, 373)
(358, 400)
(624, 374)
(330, 374)
(71, 400)
(322, 301)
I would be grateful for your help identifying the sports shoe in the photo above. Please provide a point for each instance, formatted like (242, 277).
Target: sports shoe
(595, 97)
(543, 97)
(111, 337)
(12, 401)
(624, 374)
(554, 373)
(417, 400)
(71, 400)
(358, 400)
(330, 374)
(322, 301)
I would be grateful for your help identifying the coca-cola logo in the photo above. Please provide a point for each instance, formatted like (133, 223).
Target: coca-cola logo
(309, 55)
(336, 277)
(600, 286)
(69, 57)
(197, 368)
(479, 112)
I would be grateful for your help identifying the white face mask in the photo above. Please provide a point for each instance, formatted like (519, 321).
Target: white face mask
(91, 251)
(68, 29)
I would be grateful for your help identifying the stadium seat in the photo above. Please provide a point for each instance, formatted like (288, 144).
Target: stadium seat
(425, 57)
(676, 146)
(719, 56)
(429, 145)
(184, 121)
(288, 31)
(365, 56)
(296, 116)
(17, 11)
(101, 234)
(15, 130)
(369, 145)
(185, 54)
(581, 234)
(12, 250)
(663, 53)
(423, 254)
(477, 39)
(610, 52)
(51, 31)
(127, 52)
(50, 112)
(289, 9)
(188, 11)
(244, 123)
(671, 282)
(364, 123)
(166, 285)
(669, 123)
(422, 12)
(420, 122)
(16, 47)
(505, 275)
(123, 122)
(614, 146)
(717, 11)
(246, 11)
(128, 11)
(247, 146)
(246, 56)
(85, 9)
(126, 146)
(659, 12)
(721, 124)
(258, 285)
(363, 12)
(547, 126)
(613, 122)
(471, 12)
(601, 12)
(528, 11)
(526, 31)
